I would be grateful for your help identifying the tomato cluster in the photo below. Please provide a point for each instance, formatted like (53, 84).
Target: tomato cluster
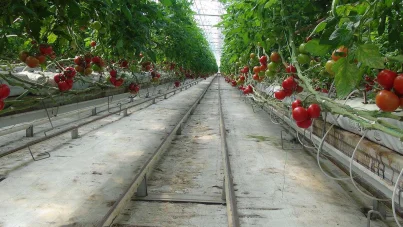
(65, 80)
(391, 97)
(134, 88)
(97, 64)
(290, 85)
(246, 90)
(4, 93)
(37, 57)
(177, 83)
(83, 64)
(117, 82)
(303, 116)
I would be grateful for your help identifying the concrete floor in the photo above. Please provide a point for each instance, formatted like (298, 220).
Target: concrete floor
(83, 178)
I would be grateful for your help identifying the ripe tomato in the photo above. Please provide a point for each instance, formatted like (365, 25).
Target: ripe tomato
(288, 93)
(242, 78)
(41, 59)
(4, 91)
(263, 60)
(328, 67)
(2, 104)
(255, 77)
(263, 68)
(296, 103)
(300, 114)
(70, 72)
(113, 73)
(70, 82)
(252, 55)
(275, 57)
(299, 89)
(289, 83)
(96, 60)
(314, 111)
(59, 77)
(280, 95)
(387, 101)
(256, 69)
(398, 84)
(93, 43)
(23, 55)
(78, 60)
(386, 78)
(341, 52)
(246, 69)
(63, 86)
(233, 83)
(290, 69)
(32, 62)
(305, 124)
(118, 82)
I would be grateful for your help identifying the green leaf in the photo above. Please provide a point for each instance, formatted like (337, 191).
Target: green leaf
(341, 35)
(317, 49)
(320, 27)
(347, 77)
(166, 2)
(52, 38)
(127, 13)
(398, 58)
(270, 3)
(369, 55)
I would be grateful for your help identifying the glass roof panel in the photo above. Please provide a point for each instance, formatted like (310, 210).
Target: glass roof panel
(207, 15)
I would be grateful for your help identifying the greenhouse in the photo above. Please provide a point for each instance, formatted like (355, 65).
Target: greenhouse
(201, 113)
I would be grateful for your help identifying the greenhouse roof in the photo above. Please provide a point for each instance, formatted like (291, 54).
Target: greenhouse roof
(207, 15)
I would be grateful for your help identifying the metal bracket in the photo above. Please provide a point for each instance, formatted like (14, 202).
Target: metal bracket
(41, 154)
(142, 189)
(295, 145)
(376, 209)
(29, 132)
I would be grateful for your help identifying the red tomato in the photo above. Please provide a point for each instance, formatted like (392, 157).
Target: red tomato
(263, 60)
(63, 86)
(256, 69)
(4, 91)
(305, 124)
(263, 68)
(242, 78)
(93, 43)
(386, 78)
(69, 72)
(299, 89)
(398, 84)
(341, 52)
(296, 103)
(255, 77)
(118, 82)
(289, 84)
(78, 60)
(387, 101)
(291, 69)
(275, 57)
(32, 62)
(280, 95)
(41, 59)
(288, 93)
(300, 114)
(314, 111)
(113, 73)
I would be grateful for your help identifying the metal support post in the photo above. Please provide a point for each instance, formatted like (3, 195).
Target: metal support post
(74, 133)
(142, 189)
(29, 132)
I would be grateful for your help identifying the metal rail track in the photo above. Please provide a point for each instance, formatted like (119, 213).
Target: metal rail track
(75, 127)
(141, 178)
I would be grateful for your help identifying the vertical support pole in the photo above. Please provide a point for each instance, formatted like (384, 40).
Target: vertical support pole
(223, 195)
(74, 133)
(94, 111)
(165, 96)
(179, 131)
(142, 189)
(153, 100)
(29, 132)
(125, 114)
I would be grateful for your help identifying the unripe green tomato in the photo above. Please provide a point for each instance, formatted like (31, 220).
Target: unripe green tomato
(270, 74)
(328, 66)
(272, 66)
(303, 59)
(96, 25)
(301, 48)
